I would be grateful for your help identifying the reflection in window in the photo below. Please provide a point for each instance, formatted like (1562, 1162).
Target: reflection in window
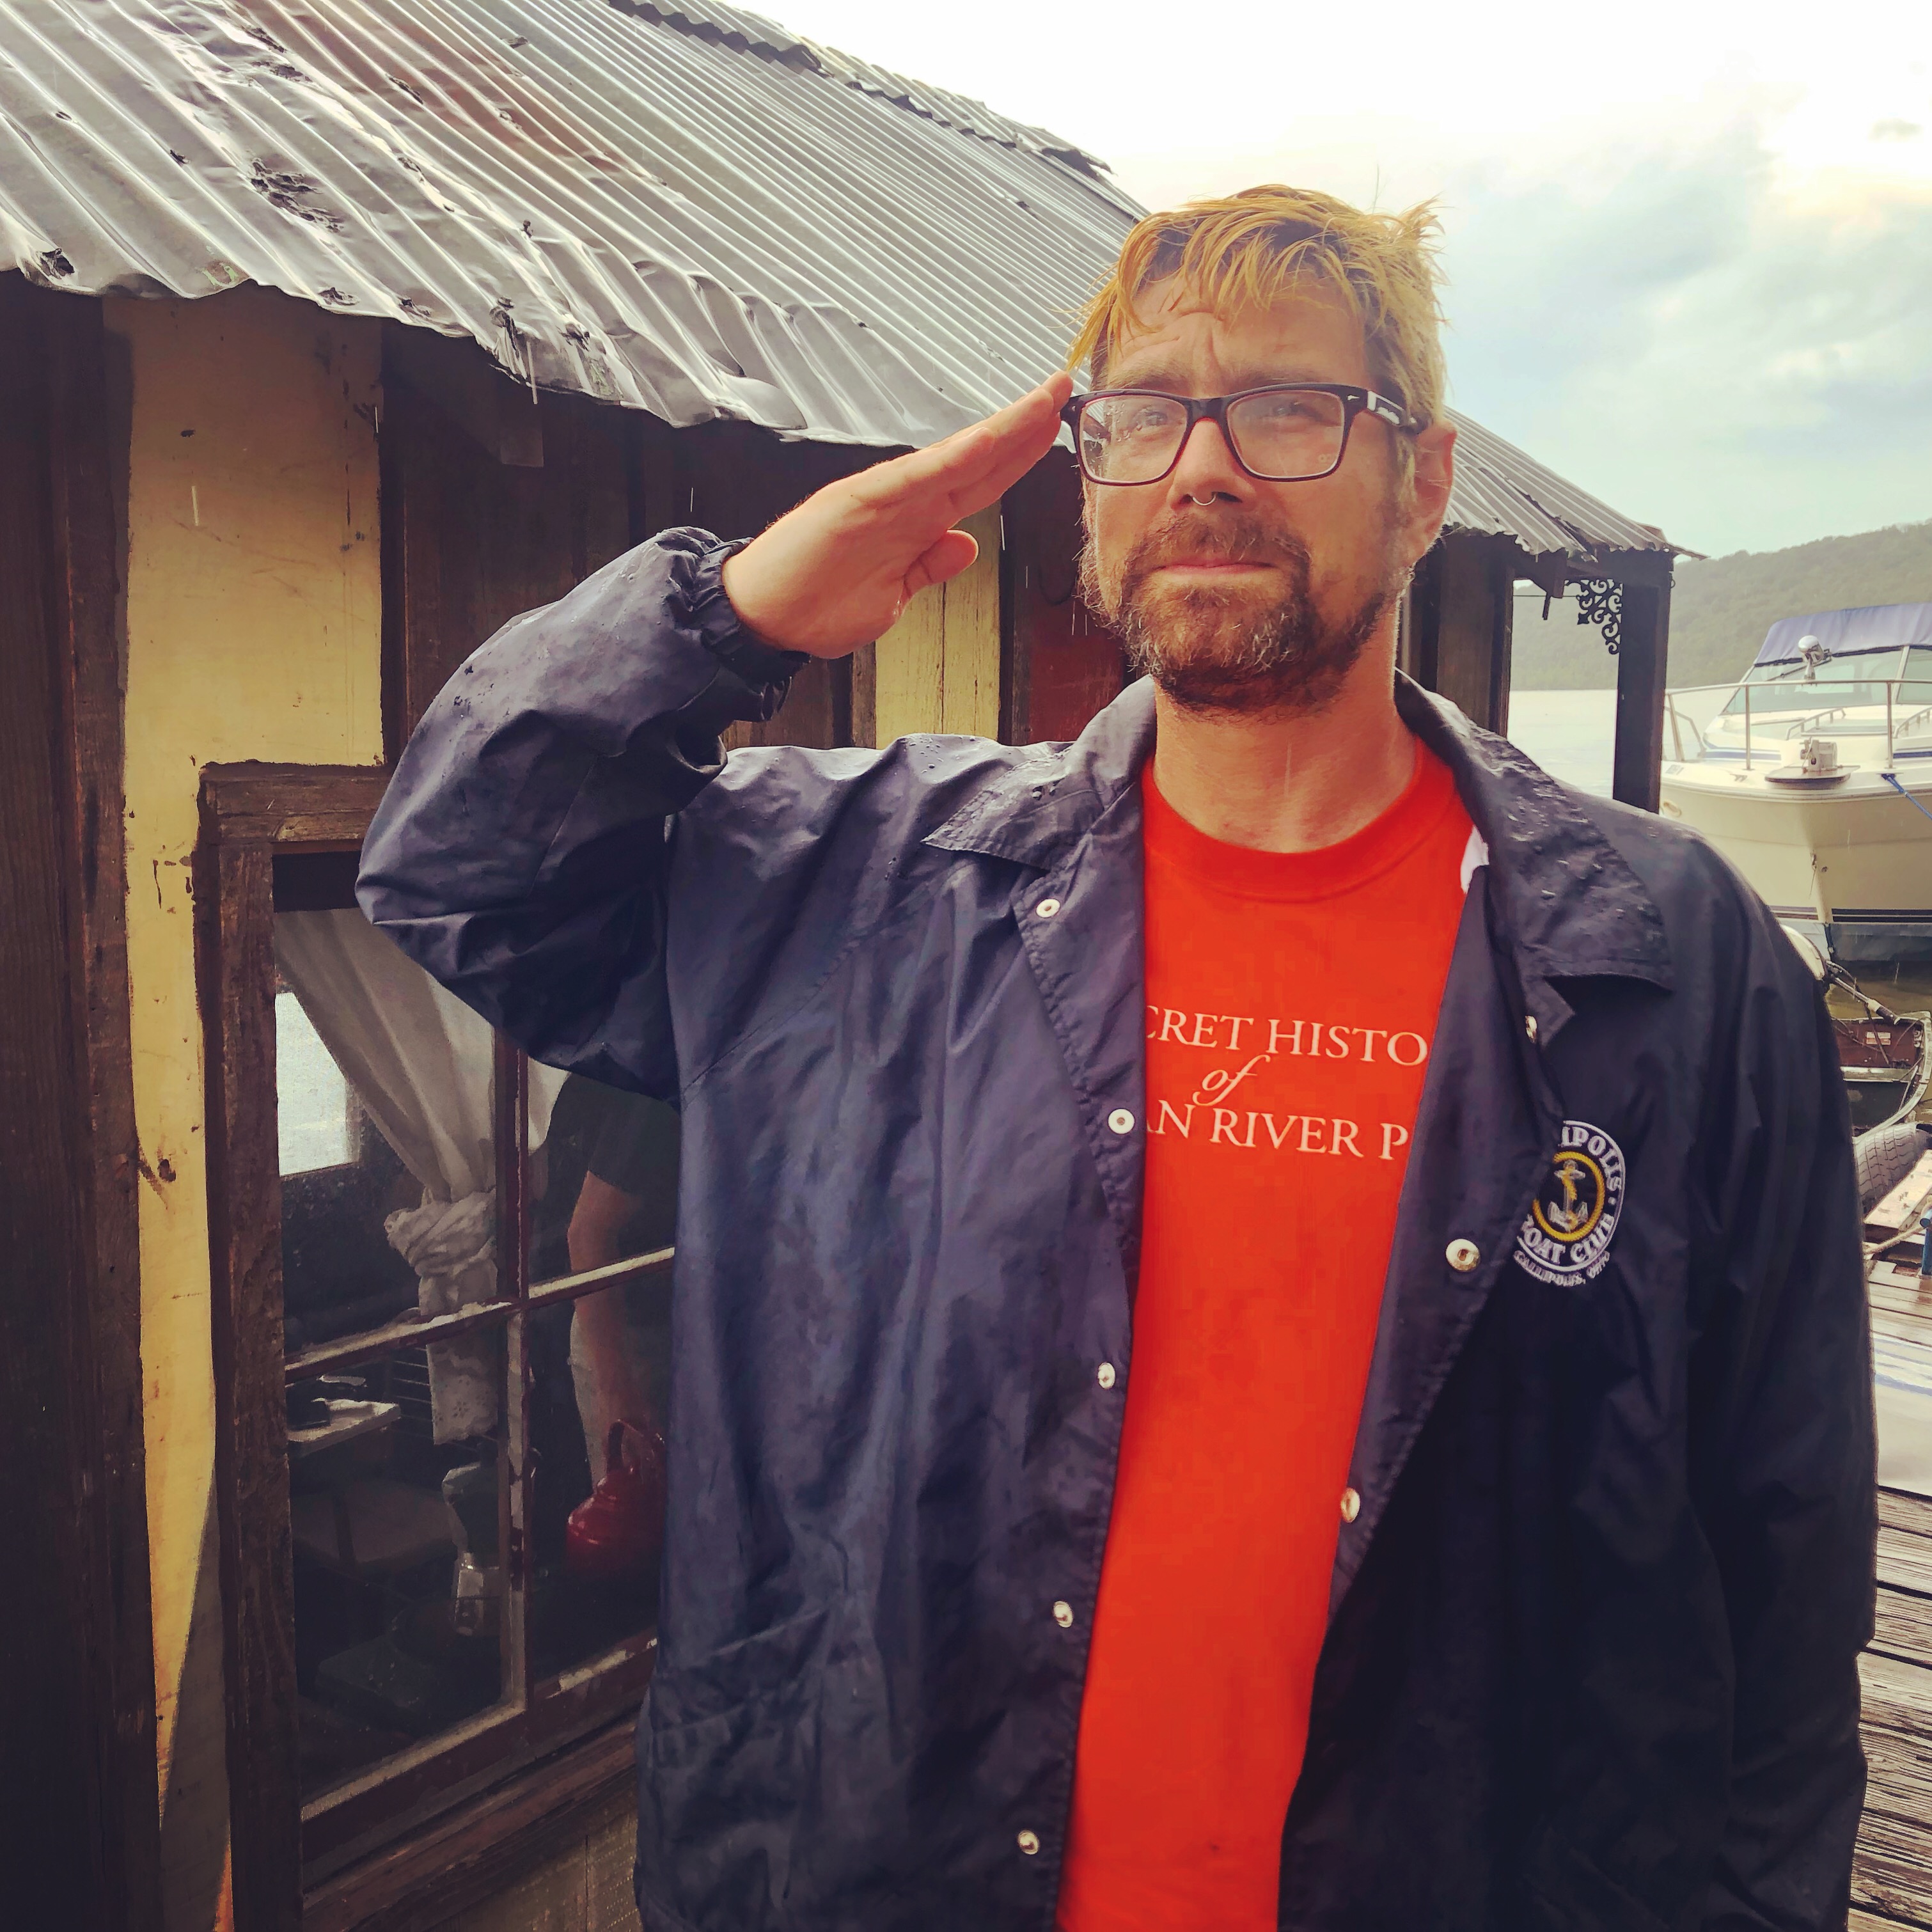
(421, 1184)
(398, 1573)
(605, 1184)
(406, 1466)
(598, 1493)
(604, 1189)
(396, 1475)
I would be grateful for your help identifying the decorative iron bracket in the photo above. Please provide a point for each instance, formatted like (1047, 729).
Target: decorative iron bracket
(1600, 601)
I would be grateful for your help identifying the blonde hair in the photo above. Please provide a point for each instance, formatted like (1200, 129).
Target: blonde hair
(1264, 245)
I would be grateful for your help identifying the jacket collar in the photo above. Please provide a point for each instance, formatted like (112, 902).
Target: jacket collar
(1571, 906)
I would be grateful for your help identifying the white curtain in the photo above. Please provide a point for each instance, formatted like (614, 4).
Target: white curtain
(420, 1063)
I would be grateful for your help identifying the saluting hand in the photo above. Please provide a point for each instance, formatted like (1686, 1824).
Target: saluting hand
(835, 572)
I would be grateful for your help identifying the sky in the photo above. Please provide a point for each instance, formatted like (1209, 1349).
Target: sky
(1687, 247)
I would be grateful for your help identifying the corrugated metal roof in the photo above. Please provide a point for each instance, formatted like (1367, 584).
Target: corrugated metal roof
(670, 205)
(1499, 489)
(695, 214)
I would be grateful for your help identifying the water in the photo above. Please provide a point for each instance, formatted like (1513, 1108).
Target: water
(1570, 733)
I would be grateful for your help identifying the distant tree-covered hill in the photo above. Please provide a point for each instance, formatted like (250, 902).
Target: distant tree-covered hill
(1721, 607)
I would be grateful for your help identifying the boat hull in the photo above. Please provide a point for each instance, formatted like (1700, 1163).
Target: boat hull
(1854, 855)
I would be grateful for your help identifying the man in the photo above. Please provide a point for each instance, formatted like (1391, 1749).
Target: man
(1268, 1326)
(616, 1184)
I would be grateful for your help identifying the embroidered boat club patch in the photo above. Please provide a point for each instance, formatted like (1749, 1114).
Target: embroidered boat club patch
(1565, 1236)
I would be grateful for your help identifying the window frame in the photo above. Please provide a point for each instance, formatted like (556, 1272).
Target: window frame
(252, 815)
(473, 531)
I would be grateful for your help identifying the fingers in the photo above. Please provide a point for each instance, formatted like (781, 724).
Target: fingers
(953, 552)
(945, 484)
(1016, 459)
(1028, 424)
(833, 571)
(1006, 444)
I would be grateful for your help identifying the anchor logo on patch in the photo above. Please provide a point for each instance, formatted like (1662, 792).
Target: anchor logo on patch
(1565, 1236)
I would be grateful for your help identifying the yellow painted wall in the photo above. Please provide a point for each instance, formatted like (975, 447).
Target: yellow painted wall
(253, 631)
(939, 665)
(254, 625)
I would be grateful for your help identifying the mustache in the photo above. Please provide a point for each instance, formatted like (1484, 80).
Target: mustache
(1229, 537)
(1226, 650)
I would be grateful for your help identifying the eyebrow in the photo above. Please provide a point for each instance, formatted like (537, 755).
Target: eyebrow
(1165, 376)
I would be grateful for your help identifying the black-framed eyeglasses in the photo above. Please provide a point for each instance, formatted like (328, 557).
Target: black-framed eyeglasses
(1285, 433)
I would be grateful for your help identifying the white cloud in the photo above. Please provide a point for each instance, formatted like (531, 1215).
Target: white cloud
(1706, 344)
(1690, 257)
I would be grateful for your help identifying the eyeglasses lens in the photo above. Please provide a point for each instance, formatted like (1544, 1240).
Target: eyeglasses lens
(1279, 434)
(1287, 434)
(1130, 439)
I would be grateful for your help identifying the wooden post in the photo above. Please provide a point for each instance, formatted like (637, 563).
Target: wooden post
(1472, 587)
(1419, 629)
(1642, 653)
(79, 1829)
(1059, 665)
(235, 910)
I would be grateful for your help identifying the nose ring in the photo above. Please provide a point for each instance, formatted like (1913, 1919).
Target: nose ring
(1200, 502)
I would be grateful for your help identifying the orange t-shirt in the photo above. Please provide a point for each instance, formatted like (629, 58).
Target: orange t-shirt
(1291, 997)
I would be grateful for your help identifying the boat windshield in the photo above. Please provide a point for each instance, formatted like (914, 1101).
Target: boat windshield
(1856, 681)
(1826, 694)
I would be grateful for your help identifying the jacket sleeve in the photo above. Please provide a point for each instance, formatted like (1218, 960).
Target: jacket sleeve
(1784, 1447)
(521, 854)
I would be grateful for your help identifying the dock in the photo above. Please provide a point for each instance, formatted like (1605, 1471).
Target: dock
(1891, 1877)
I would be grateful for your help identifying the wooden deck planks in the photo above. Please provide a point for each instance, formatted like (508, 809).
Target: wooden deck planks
(1892, 1884)
(1892, 1874)
(1904, 1626)
(1911, 1514)
(1905, 1560)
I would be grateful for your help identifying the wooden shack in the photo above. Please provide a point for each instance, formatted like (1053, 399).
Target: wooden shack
(327, 347)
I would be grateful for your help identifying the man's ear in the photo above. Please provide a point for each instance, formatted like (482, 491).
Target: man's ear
(1433, 476)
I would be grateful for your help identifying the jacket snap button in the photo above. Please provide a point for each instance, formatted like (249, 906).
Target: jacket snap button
(1120, 1120)
(1529, 1024)
(1063, 1614)
(1105, 1375)
(1030, 1842)
(1351, 1504)
(1047, 908)
(1463, 1254)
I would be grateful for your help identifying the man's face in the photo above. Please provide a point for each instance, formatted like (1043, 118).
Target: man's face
(1244, 596)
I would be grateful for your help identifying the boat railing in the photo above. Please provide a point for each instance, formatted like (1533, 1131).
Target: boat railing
(1677, 721)
(1782, 733)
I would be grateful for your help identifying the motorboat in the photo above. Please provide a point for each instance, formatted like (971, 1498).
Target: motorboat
(1813, 775)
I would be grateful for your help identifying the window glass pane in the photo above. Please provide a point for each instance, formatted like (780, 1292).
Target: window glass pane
(384, 1087)
(314, 1106)
(598, 1366)
(603, 1174)
(398, 1570)
(603, 1188)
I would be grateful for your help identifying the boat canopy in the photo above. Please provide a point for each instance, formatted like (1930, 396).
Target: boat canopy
(1874, 630)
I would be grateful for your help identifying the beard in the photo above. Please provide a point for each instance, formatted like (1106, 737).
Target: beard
(1223, 650)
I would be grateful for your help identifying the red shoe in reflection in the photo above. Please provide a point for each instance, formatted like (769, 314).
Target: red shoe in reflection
(617, 1530)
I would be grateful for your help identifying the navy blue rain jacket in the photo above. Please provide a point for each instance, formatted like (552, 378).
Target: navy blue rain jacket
(1591, 1657)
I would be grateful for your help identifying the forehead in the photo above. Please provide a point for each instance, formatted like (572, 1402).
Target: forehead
(1314, 337)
